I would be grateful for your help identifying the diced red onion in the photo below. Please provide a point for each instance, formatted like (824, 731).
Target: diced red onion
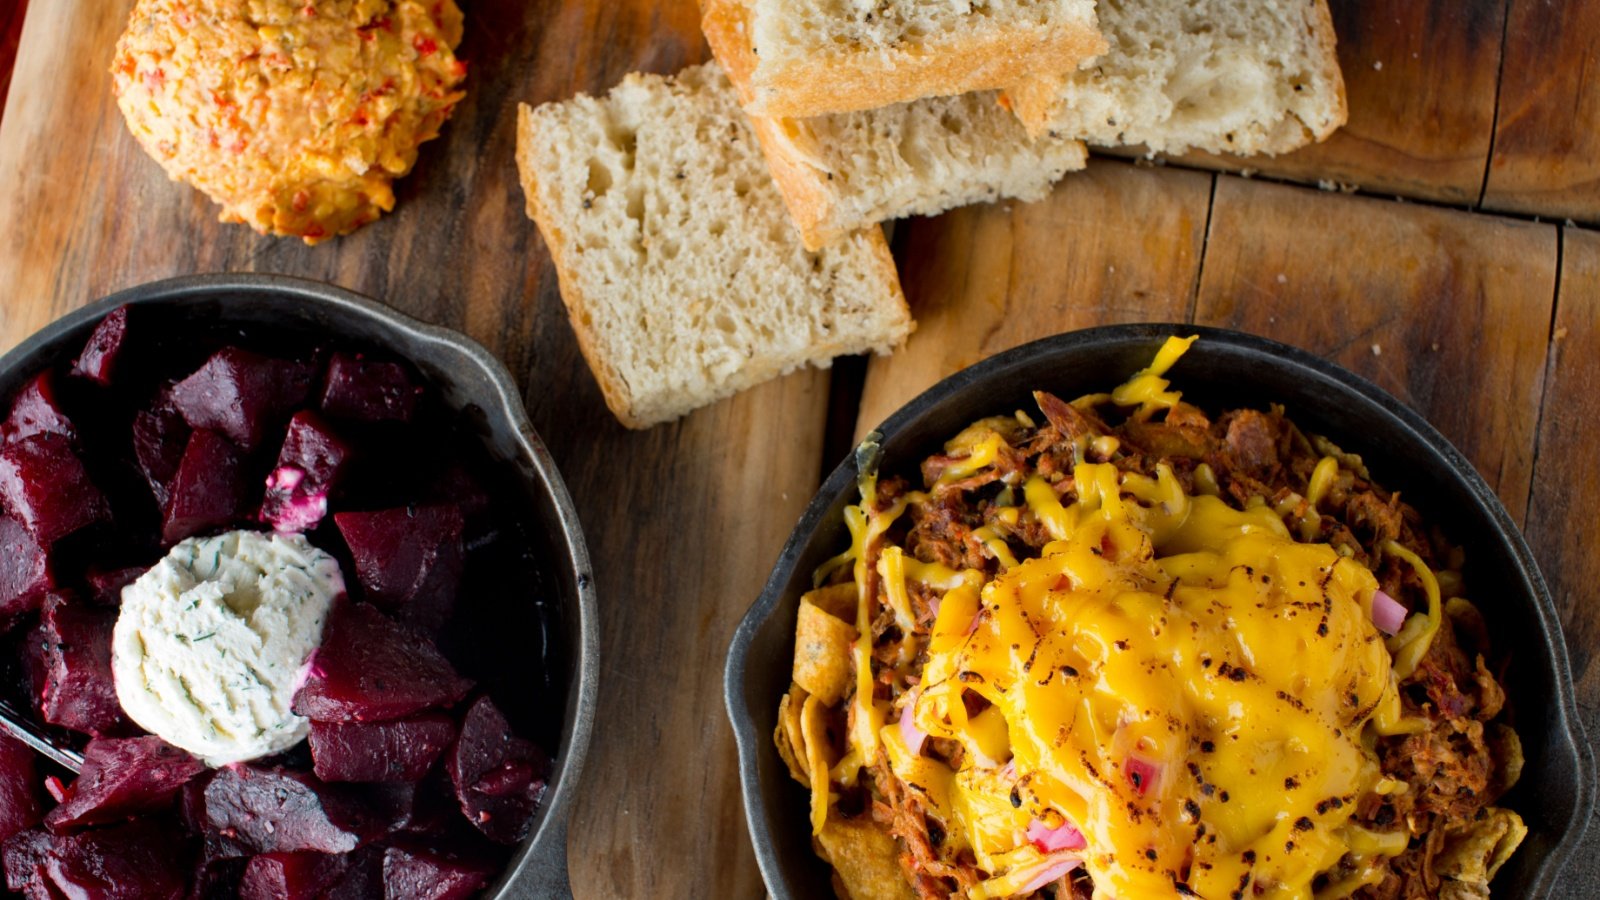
(934, 605)
(1143, 774)
(1387, 613)
(1052, 868)
(1049, 840)
(57, 788)
(909, 732)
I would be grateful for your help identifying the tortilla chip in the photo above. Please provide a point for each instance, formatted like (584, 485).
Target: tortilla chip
(1456, 890)
(815, 751)
(865, 858)
(822, 640)
(837, 600)
(1506, 748)
(1471, 857)
(791, 744)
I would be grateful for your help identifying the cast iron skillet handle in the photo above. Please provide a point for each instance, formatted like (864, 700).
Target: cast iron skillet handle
(545, 870)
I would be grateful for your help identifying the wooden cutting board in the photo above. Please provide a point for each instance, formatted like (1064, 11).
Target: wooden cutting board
(1486, 325)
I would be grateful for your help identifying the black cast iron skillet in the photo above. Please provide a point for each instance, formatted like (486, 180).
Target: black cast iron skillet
(472, 382)
(1224, 369)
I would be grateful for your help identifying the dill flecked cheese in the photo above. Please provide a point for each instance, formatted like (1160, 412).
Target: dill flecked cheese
(210, 642)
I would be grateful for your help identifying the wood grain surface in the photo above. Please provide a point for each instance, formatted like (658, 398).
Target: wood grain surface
(1547, 134)
(685, 520)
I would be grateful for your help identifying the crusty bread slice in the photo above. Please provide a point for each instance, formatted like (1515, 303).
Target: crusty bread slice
(681, 272)
(804, 58)
(847, 171)
(1227, 76)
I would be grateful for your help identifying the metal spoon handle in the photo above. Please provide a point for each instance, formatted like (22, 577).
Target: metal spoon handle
(23, 728)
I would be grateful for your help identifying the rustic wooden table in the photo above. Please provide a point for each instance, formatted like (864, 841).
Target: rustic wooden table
(1444, 264)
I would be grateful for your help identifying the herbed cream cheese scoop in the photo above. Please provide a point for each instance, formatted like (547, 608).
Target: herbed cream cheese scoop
(212, 642)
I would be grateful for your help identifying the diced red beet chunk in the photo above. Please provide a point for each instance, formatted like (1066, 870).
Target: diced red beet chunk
(26, 855)
(425, 874)
(25, 571)
(373, 669)
(302, 875)
(140, 860)
(192, 803)
(78, 692)
(408, 559)
(160, 437)
(402, 750)
(278, 810)
(410, 805)
(243, 395)
(310, 467)
(499, 777)
(98, 360)
(362, 878)
(217, 878)
(366, 390)
(20, 808)
(459, 486)
(105, 585)
(121, 778)
(210, 489)
(44, 484)
(34, 410)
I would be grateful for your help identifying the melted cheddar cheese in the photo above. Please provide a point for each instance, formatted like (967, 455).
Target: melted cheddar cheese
(1182, 681)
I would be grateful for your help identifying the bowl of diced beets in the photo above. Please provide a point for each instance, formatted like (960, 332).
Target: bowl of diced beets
(452, 696)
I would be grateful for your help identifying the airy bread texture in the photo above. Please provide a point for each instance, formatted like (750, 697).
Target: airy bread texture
(1226, 76)
(847, 171)
(681, 272)
(804, 58)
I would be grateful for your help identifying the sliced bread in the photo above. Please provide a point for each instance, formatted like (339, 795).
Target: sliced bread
(680, 270)
(1226, 76)
(847, 171)
(803, 58)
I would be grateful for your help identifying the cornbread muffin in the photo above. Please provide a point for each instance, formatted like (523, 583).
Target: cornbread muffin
(295, 115)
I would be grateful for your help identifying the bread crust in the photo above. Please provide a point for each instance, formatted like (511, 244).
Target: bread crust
(802, 184)
(847, 81)
(1036, 100)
